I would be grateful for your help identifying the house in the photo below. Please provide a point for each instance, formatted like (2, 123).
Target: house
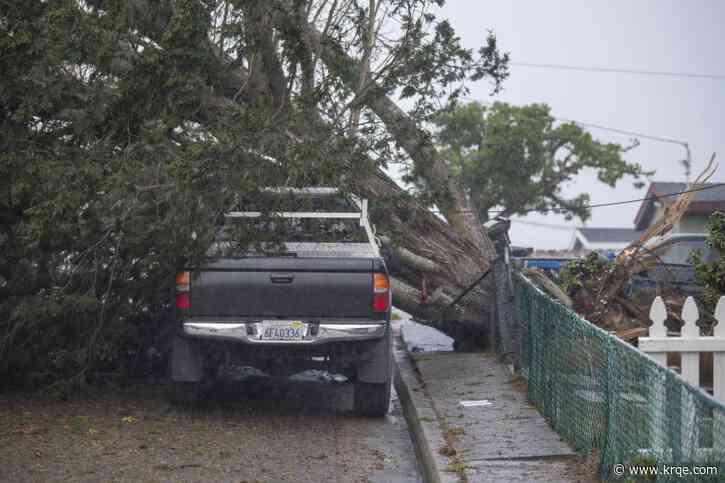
(703, 204)
(602, 239)
(694, 221)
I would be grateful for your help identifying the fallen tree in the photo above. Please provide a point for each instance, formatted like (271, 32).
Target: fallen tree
(127, 127)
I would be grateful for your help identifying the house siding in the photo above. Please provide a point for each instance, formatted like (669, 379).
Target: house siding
(689, 223)
(692, 224)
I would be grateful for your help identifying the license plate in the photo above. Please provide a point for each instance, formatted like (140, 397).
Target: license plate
(283, 330)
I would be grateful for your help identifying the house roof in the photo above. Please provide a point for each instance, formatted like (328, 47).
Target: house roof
(704, 201)
(605, 238)
(619, 235)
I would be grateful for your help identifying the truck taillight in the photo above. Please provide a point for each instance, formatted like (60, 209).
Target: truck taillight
(381, 292)
(183, 290)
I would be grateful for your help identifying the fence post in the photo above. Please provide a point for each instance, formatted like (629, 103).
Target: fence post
(718, 384)
(690, 331)
(612, 393)
(690, 371)
(656, 384)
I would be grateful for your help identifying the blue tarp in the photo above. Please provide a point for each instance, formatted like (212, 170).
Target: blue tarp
(549, 263)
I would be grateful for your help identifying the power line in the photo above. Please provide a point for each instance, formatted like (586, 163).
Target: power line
(618, 203)
(604, 128)
(619, 71)
(684, 144)
(622, 131)
(611, 203)
(544, 225)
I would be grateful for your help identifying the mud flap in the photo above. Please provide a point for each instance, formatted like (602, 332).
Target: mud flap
(187, 361)
(376, 365)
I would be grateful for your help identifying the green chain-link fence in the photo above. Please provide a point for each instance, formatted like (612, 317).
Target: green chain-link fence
(606, 397)
(505, 330)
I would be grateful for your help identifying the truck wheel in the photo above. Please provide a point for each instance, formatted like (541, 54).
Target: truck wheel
(185, 393)
(372, 399)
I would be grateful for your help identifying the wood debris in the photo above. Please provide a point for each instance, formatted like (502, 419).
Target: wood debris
(604, 301)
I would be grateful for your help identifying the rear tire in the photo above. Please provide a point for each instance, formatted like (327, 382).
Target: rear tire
(372, 399)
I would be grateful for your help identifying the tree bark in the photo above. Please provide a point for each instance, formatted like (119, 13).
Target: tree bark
(266, 76)
(420, 248)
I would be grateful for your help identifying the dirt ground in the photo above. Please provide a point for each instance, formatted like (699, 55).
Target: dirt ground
(270, 432)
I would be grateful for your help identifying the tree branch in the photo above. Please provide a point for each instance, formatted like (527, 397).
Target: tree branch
(447, 193)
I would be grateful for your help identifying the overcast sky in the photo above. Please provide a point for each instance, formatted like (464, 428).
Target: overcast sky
(663, 35)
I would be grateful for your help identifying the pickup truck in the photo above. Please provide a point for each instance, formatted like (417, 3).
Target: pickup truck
(292, 283)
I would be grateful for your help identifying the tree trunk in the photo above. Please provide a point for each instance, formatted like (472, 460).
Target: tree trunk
(422, 250)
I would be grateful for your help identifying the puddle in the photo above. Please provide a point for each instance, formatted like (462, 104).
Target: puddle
(319, 376)
(241, 373)
(473, 404)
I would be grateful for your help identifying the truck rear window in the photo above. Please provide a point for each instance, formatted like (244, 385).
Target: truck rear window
(239, 236)
(275, 201)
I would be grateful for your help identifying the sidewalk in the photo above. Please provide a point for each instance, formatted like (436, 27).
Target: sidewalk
(500, 436)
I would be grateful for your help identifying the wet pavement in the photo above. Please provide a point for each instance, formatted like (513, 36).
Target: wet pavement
(297, 431)
(480, 425)
(249, 429)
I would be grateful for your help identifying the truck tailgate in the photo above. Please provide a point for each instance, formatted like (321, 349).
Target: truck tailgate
(283, 287)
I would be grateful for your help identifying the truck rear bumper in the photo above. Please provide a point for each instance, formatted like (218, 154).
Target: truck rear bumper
(246, 332)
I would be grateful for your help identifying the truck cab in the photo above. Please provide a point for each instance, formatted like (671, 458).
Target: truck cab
(292, 281)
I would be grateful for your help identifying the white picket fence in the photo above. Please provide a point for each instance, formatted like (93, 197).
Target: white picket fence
(689, 344)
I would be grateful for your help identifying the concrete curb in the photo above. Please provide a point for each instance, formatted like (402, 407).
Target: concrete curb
(422, 420)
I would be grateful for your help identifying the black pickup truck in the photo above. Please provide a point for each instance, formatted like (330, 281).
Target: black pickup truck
(320, 299)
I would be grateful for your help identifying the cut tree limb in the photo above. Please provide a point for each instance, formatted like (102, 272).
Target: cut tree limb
(408, 257)
(539, 278)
